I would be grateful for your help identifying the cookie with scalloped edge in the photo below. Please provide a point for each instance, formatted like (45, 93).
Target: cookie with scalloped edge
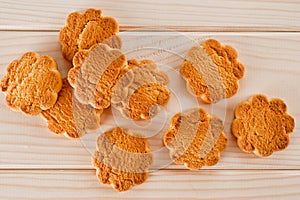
(82, 31)
(69, 117)
(95, 73)
(212, 71)
(31, 83)
(262, 126)
(195, 139)
(141, 91)
(122, 158)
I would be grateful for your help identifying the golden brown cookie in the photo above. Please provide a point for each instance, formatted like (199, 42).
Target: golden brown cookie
(122, 158)
(141, 91)
(195, 139)
(31, 83)
(262, 125)
(212, 71)
(95, 73)
(69, 117)
(82, 31)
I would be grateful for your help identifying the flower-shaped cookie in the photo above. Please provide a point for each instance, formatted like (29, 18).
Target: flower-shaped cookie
(141, 91)
(82, 31)
(122, 158)
(68, 116)
(262, 126)
(95, 73)
(212, 71)
(195, 139)
(31, 83)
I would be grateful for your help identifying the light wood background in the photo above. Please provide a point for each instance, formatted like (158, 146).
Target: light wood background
(35, 164)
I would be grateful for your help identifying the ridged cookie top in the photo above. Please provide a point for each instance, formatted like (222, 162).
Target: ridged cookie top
(122, 158)
(95, 73)
(262, 126)
(69, 117)
(141, 90)
(31, 83)
(82, 31)
(212, 71)
(195, 139)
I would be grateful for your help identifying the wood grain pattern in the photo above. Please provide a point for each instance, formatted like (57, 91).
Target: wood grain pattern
(165, 184)
(35, 164)
(220, 15)
(272, 67)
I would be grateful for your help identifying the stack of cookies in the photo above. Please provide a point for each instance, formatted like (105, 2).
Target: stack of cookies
(102, 77)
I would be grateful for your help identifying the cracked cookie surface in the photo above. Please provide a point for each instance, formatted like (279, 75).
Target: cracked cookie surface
(31, 83)
(82, 31)
(69, 117)
(95, 73)
(212, 71)
(262, 126)
(195, 139)
(122, 158)
(141, 91)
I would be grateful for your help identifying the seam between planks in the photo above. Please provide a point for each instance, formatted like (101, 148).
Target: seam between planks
(154, 171)
(176, 28)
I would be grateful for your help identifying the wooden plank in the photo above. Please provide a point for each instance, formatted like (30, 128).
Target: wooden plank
(272, 67)
(192, 15)
(165, 184)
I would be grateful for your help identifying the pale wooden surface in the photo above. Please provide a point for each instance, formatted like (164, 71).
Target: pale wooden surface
(165, 184)
(36, 164)
(200, 15)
